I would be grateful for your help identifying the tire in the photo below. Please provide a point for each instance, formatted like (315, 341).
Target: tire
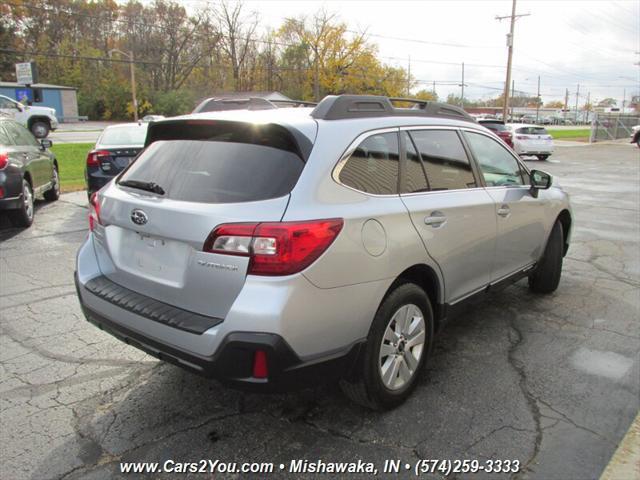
(53, 193)
(23, 216)
(546, 277)
(542, 158)
(374, 390)
(40, 129)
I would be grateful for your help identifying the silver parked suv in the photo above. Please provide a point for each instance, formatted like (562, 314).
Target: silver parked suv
(289, 246)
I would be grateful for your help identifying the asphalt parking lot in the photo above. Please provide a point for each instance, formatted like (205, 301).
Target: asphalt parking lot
(553, 381)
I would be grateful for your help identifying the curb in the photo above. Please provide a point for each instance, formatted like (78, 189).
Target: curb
(625, 463)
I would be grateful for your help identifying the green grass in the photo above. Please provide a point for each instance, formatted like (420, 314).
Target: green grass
(573, 134)
(71, 161)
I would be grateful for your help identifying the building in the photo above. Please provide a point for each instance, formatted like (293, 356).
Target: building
(63, 99)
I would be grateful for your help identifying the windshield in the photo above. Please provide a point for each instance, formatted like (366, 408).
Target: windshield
(124, 135)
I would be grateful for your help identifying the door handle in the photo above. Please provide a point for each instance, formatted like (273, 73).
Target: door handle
(504, 211)
(436, 219)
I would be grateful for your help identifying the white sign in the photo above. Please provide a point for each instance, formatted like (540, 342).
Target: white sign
(24, 73)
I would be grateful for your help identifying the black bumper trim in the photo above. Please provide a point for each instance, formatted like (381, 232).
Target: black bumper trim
(232, 363)
(150, 308)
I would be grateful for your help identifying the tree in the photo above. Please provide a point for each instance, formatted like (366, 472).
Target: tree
(237, 38)
(608, 102)
(426, 95)
(554, 104)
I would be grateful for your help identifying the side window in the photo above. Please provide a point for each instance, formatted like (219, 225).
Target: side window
(373, 166)
(498, 166)
(5, 103)
(20, 135)
(415, 178)
(444, 159)
(5, 139)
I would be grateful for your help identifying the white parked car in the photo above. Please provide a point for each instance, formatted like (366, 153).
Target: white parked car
(531, 140)
(40, 120)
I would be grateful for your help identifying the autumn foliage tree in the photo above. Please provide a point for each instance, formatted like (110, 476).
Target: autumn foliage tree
(184, 55)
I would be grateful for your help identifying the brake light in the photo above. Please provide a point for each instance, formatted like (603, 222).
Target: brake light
(260, 369)
(95, 156)
(279, 248)
(4, 160)
(94, 211)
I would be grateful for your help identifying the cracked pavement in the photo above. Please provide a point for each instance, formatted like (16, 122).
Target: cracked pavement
(552, 381)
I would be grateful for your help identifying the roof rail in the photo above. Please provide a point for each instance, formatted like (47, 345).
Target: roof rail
(297, 103)
(338, 107)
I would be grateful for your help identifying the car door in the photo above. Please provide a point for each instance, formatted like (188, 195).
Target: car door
(36, 161)
(453, 214)
(520, 216)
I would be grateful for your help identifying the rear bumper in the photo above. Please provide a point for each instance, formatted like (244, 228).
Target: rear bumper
(232, 363)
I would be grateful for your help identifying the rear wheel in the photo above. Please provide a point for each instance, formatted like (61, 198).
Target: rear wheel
(40, 129)
(53, 193)
(542, 158)
(23, 216)
(398, 344)
(546, 277)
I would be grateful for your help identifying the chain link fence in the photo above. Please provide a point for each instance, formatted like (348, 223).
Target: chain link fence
(612, 126)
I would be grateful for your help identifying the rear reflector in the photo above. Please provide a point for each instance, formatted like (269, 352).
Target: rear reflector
(1, 192)
(260, 369)
(94, 211)
(279, 248)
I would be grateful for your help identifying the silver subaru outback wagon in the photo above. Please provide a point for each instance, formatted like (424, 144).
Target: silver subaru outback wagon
(281, 248)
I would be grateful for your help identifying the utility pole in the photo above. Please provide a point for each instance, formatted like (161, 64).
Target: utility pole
(577, 95)
(462, 85)
(409, 78)
(624, 99)
(566, 103)
(513, 16)
(588, 109)
(538, 102)
(434, 87)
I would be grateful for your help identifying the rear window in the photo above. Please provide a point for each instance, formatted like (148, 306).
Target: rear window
(532, 131)
(125, 135)
(224, 166)
(496, 127)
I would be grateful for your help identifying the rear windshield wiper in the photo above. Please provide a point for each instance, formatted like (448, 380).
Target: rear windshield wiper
(140, 185)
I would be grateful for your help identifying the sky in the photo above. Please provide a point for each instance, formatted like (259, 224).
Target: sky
(594, 44)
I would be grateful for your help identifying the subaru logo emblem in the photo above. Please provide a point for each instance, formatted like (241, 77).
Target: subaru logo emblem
(139, 217)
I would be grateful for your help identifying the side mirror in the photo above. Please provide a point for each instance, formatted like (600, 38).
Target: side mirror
(539, 181)
(19, 107)
(45, 143)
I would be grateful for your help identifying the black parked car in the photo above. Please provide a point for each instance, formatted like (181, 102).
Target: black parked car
(116, 147)
(27, 170)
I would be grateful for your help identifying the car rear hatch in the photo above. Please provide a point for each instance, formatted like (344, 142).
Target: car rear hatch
(206, 173)
(536, 139)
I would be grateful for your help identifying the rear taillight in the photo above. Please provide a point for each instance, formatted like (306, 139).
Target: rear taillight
(4, 160)
(281, 248)
(96, 156)
(94, 211)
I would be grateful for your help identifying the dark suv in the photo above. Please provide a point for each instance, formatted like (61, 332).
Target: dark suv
(27, 170)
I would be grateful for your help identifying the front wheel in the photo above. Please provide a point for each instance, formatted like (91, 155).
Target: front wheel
(542, 158)
(23, 216)
(398, 345)
(546, 277)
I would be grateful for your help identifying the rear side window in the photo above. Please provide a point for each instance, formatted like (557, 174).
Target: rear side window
(20, 135)
(416, 180)
(444, 159)
(226, 167)
(5, 139)
(373, 166)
